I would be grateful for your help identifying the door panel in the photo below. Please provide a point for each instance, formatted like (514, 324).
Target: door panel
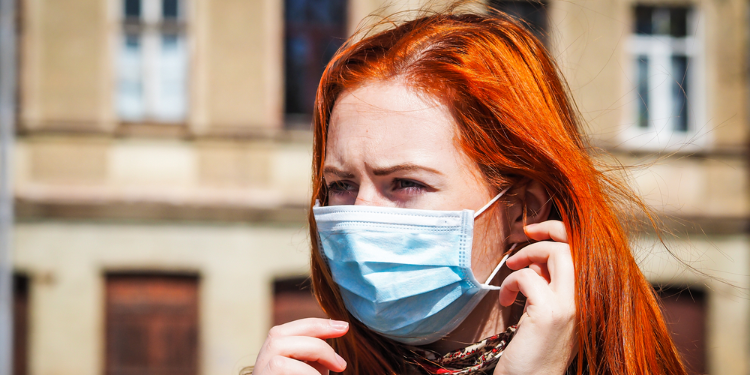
(152, 325)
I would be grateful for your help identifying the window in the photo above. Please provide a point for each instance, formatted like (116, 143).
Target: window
(314, 30)
(20, 324)
(664, 53)
(152, 61)
(532, 13)
(151, 324)
(293, 299)
(685, 312)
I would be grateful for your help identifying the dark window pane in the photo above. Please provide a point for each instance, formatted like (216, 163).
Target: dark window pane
(314, 30)
(293, 299)
(643, 19)
(679, 93)
(132, 8)
(661, 20)
(642, 66)
(678, 22)
(169, 9)
(685, 313)
(315, 12)
(533, 13)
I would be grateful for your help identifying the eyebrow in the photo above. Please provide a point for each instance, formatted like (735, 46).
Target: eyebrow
(382, 171)
(403, 167)
(337, 172)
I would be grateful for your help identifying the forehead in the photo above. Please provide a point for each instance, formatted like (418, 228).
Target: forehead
(392, 123)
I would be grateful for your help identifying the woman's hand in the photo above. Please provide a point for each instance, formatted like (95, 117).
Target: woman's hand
(546, 341)
(298, 348)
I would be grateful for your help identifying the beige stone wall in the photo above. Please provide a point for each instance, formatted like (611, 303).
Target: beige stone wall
(239, 65)
(236, 265)
(252, 174)
(590, 41)
(64, 64)
(726, 71)
(692, 187)
(69, 57)
(587, 39)
(723, 260)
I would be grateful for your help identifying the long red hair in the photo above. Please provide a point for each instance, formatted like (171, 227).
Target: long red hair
(516, 121)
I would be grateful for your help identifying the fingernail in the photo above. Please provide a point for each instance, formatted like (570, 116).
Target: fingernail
(341, 361)
(339, 325)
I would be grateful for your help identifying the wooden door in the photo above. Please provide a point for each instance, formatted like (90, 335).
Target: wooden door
(152, 325)
(293, 299)
(685, 313)
(20, 324)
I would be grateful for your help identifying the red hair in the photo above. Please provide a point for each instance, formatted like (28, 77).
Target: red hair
(516, 121)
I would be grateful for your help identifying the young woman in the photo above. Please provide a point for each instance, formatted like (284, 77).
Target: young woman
(443, 145)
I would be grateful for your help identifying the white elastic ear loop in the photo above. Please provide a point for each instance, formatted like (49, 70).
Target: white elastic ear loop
(500, 265)
(486, 206)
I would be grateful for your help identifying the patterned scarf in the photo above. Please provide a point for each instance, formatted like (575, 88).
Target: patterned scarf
(473, 359)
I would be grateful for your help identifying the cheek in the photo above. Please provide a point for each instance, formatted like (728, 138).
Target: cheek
(488, 245)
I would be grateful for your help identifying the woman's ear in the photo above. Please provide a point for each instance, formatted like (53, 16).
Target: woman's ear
(538, 206)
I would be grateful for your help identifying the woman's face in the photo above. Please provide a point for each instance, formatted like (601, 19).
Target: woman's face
(389, 146)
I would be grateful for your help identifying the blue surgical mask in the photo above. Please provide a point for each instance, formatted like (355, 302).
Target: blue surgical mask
(404, 273)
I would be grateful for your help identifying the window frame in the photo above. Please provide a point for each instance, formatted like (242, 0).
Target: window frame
(151, 28)
(661, 136)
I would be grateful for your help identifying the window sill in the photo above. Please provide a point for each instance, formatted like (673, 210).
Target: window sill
(152, 130)
(182, 130)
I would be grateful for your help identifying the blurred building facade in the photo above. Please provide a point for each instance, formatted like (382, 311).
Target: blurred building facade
(162, 167)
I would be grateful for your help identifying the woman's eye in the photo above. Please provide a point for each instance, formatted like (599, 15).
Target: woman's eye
(340, 187)
(408, 185)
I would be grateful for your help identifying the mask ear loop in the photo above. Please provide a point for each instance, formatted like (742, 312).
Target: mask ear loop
(500, 265)
(486, 206)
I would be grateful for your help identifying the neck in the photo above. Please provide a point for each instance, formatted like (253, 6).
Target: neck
(488, 318)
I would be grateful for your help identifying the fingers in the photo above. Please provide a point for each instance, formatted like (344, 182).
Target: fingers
(545, 274)
(280, 365)
(312, 327)
(318, 367)
(298, 348)
(307, 349)
(550, 266)
(527, 282)
(550, 229)
(551, 260)
(541, 270)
